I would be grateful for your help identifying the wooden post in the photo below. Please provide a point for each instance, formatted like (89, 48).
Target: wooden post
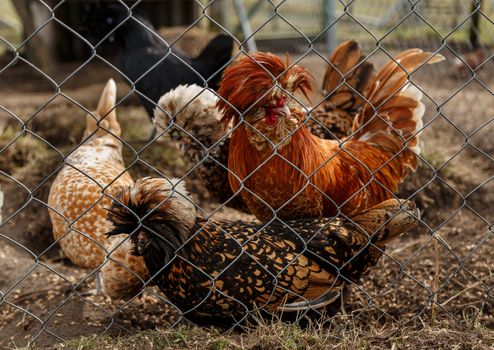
(474, 28)
(329, 19)
(217, 11)
(36, 50)
(246, 28)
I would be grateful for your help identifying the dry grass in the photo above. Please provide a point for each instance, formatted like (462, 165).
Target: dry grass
(282, 336)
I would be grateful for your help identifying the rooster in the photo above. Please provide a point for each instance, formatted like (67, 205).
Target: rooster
(189, 115)
(221, 273)
(287, 171)
(80, 194)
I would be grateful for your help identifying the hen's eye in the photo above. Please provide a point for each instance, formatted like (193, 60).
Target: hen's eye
(175, 134)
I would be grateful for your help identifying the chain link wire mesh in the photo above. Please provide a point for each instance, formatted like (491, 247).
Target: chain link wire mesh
(443, 270)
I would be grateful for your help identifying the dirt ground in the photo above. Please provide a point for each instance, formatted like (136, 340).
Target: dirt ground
(439, 273)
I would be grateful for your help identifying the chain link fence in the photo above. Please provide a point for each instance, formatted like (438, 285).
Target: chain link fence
(441, 270)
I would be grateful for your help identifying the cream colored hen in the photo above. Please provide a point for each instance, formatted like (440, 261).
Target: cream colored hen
(82, 192)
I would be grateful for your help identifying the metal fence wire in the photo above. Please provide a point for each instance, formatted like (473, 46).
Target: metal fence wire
(442, 269)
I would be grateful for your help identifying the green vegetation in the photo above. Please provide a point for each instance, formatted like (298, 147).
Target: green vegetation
(378, 17)
(11, 28)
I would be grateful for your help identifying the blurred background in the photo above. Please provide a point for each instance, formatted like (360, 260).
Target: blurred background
(277, 25)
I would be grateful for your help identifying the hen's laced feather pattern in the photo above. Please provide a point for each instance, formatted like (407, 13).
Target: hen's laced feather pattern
(218, 272)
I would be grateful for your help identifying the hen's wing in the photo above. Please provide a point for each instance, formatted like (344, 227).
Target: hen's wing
(78, 213)
(218, 278)
(358, 242)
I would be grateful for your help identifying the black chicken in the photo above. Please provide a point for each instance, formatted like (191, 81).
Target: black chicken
(221, 273)
(147, 61)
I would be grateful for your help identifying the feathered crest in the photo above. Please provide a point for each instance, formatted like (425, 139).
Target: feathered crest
(251, 78)
(152, 200)
(193, 108)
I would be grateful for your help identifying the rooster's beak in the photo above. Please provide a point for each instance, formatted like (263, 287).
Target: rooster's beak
(274, 114)
(283, 111)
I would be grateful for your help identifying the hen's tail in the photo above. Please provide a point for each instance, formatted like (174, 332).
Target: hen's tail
(392, 118)
(381, 224)
(346, 80)
(388, 220)
(104, 120)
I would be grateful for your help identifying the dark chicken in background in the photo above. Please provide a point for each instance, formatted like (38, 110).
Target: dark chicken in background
(470, 62)
(205, 141)
(147, 61)
(220, 273)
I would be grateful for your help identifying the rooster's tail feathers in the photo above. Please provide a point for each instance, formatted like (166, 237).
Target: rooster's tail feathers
(348, 66)
(393, 115)
(104, 119)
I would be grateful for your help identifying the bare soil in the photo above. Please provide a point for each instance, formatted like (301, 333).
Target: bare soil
(433, 286)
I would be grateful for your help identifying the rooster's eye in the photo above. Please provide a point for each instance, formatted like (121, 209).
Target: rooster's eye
(281, 101)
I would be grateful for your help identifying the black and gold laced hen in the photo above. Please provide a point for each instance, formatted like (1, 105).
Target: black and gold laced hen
(221, 273)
